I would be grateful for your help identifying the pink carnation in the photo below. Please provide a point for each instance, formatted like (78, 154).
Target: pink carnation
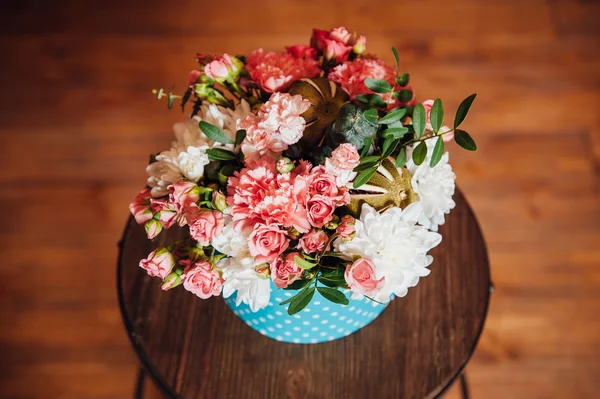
(266, 242)
(345, 157)
(205, 224)
(352, 74)
(313, 241)
(183, 193)
(275, 72)
(361, 278)
(285, 271)
(202, 279)
(301, 51)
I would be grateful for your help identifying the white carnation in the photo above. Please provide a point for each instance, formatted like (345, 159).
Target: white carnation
(434, 187)
(396, 245)
(192, 161)
(240, 276)
(232, 242)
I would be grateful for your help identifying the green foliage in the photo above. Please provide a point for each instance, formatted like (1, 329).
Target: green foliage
(395, 52)
(395, 132)
(371, 115)
(219, 154)
(333, 295)
(438, 151)
(352, 124)
(437, 115)
(419, 153)
(378, 85)
(393, 116)
(401, 158)
(463, 110)
(419, 119)
(301, 300)
(214, 133)
(372, 100)
(464, 140)
(364, 176)
(240, 135)
(303, 264)
(404, 95)
(367, 145)
(403, 79)
(298, 284)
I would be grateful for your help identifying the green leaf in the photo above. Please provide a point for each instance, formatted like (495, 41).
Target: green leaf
(170, 101)
(369, 159)
(332, 283)
(294, 297)
(464, 140)
(403, 79)
(240, 135)
(367, 146)
(371, 115)
(301, 301)
(437, 115)
(395, 132)
(393, 116)
(463, 110)
(365, 166)
(228, 170)
(219, 154)
(401, 158)
(364, 176)
(396, 57)
(404, 95)
(419, 118)
(214, 133)
(389, 145)
(303, 263)
(333, 295)
(372, 100)
(438, 151)
(378, 85)
(298, 284)
(419, 153)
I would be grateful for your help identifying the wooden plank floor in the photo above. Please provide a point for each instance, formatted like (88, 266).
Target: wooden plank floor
(77, 123)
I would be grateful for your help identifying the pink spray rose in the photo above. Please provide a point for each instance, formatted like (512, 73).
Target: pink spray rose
(345, 157)
(266, 242)
(320, 210)
(183, 193)
(337, 51)
(346, 227)
(202, 279)
(313, 241)
(302, 51)
(193, 76)
(221, 68)
(341, 35)
(159, 263)
(360, 277)
(140, 207)
(318, 39)
(166, 211)
(205, 224)
(285, 271)
(153, 228)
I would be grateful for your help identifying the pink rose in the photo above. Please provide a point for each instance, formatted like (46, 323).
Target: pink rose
(346, 227)
(345, 157)
(167, 212)
(221, 68)
(205, 224)
(140, 207)
(360, 45)
(193, 76)
(318, 39)
(337, 51)
(313, 241)
(159, 263)
(285, 271)
(202, 279)
(341, 35)
(302, 51)
(183, 193)
(320, 210)
(322, 183)
(266, 242)
(360, 277)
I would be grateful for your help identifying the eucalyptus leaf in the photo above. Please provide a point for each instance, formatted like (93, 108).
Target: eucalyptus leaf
(463, 110)
(219, 154)
(438, 151)
(214, 133)
(401, 158)
(464, 140)
(364, 176)
(303, 264)
(393, 116)
(333, 295)
(378, 85)
(437, 115)
(419, 153)
(301, 301)
(419, 119)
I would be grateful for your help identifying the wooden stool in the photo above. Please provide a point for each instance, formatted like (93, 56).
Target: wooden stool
(193, 348)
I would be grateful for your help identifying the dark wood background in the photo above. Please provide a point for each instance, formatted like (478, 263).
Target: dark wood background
(77, 123)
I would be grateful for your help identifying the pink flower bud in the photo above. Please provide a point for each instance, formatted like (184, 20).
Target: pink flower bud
(263, 270)
(193, 76)
(360, 45)
(171, 281)
(219, 200)
(337, 51)
(341, 35)
(140, 207)
(285, 165)
(159, 263)
(153, 228)
(222, 68)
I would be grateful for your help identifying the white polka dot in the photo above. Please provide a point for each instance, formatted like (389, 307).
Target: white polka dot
(278, 299)
(356, 323)
(326, 308)
(323, 334)
(324, 322)
(296, 340)
(330, 338)
(250, 324)
(248, 311)
(317, 302)
(315, 329)
(347, 333)
(316, 316)
(306, 323)
(254, 321)
(340, 330)
(313, 341)
(270, 317)
(287, 333)
(278, 325)
(235, 312)
(296, 316)
(332, 326)
(307, 310)
(334, 314)
(287, 321)
(305, 335)
(352, 308)
(349, 321)
(296, 328)
(270, 303)
(278, 313)
(278, 338)
(287, 294)
(262, 319)
(358, 311)
(362, 325)
(270, 329)
(263, 332)
(342, 318)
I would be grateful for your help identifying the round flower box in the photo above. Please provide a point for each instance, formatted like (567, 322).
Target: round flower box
(321, 321)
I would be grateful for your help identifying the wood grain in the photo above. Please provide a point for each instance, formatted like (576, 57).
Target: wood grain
(414, 350)
(77, 122)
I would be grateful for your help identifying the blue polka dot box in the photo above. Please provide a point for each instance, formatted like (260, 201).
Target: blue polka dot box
(320, 321)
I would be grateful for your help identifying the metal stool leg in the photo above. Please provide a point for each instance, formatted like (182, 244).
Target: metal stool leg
(464, 386)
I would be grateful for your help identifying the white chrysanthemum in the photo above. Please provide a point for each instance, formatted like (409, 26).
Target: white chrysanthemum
(396, 245)
(180, 161)
(240, 276)
(434, 187)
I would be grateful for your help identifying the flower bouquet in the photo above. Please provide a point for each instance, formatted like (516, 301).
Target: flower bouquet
(309, 184)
